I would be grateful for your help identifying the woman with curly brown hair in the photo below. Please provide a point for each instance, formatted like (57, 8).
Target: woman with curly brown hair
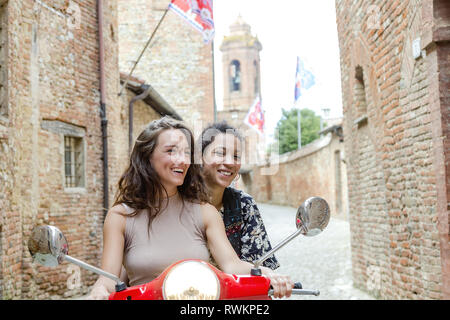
(221, 147)
(161, 215)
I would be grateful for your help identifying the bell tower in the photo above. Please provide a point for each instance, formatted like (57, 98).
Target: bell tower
(242, 84)
(241, 72)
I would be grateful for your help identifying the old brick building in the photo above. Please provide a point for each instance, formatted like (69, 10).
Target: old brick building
(51, 145)
(395, 79)
(50, 113)
(177, 63)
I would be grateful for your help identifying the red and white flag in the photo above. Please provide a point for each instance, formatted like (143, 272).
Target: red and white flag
(199, 13)
(255, 117)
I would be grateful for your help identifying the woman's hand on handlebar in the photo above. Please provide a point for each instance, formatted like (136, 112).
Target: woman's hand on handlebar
(99, 292)
(282, 285)
(102, 289)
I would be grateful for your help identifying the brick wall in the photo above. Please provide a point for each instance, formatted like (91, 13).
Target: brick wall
(51, 89)
(394, 178)
(441, 132)
(295, 176)
(177, 63)
(53, 86)
(5, 194)
(444, 181)
(118, 137)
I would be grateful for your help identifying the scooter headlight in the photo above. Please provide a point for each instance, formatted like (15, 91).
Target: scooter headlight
(191, 280)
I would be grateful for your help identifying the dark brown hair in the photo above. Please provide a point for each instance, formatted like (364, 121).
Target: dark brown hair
(210, 132)
(140, 187)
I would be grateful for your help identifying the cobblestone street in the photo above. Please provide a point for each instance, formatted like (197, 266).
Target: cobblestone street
(321, 263)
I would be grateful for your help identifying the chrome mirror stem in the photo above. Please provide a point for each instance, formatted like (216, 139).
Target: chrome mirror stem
(119, 284)
(258, 262)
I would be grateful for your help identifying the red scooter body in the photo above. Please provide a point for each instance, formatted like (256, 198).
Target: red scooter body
(231, 286)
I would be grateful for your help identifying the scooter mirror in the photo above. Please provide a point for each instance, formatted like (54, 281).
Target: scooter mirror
(312, 216)
(47, 245)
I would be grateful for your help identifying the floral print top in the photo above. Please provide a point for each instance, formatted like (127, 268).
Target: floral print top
(254, 239)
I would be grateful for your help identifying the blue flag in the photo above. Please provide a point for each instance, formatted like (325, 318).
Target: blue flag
(304, 79)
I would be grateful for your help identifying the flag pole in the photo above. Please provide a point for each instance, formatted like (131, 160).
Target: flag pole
(299, 130)
(214, 82)
(143, 50)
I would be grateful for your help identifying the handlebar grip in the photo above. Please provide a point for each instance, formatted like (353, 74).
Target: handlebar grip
(298, 285)
(298, 290)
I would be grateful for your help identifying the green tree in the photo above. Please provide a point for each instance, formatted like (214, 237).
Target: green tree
(286, 129)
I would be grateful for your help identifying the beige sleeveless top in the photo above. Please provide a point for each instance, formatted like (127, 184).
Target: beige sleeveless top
(176, 233)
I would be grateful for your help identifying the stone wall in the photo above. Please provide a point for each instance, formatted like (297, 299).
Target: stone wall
(396, 129)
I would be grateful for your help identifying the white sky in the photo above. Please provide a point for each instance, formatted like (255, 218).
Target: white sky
(287, 29)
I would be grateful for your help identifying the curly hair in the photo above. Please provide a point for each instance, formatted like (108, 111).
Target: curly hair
(140, 187)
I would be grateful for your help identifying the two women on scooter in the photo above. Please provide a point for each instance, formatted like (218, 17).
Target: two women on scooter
(161, 214)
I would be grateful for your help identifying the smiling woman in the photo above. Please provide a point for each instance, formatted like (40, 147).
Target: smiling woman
(171, 159)
(161, 215)
(160, 166)
(221, 149)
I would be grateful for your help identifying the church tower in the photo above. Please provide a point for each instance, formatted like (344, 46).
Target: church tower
(241, 72)
(242, 84)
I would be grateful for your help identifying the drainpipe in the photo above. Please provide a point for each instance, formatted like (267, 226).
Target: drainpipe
(104, 120)
(143, 95)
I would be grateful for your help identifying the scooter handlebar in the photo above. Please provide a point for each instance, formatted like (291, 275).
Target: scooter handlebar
(298, 290)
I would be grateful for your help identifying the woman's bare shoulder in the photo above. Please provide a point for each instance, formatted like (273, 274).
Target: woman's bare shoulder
(210, 214)
(118, 209)
(116, 217)
(208, 208)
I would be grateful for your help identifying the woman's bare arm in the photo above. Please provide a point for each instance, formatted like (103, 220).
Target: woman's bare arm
(219, 246)
(227, 259)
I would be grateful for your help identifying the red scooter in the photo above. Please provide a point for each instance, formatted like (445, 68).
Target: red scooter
(188, 279)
